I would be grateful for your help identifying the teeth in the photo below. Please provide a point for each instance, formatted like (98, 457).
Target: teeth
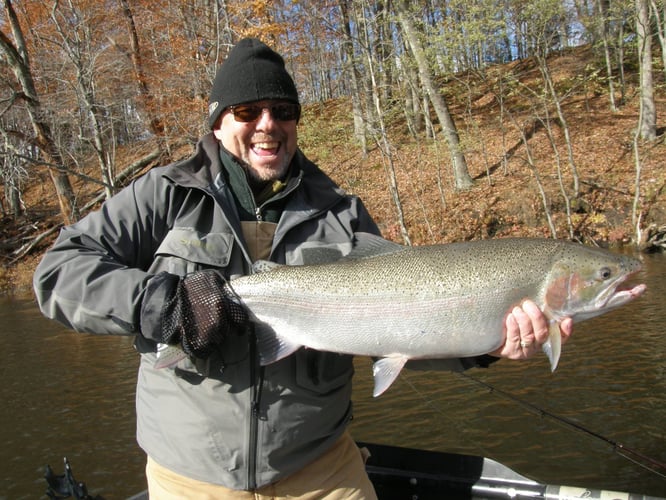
(266, 145)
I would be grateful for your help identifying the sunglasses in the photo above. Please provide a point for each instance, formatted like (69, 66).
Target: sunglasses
(282, 112)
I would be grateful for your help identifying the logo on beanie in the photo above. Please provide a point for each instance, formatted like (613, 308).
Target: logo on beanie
(212, 107)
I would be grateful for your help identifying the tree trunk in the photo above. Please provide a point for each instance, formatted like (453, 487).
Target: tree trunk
(17, 59)
(12, 191)
(460, 172)
(381, 137)
(74, 40)
(659, 13)
(647, 125)
(557, 101)
(352, 71)
(147, 99)
(620, 62)
(602, 7)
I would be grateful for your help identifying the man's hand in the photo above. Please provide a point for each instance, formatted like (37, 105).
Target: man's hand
(196, 311)
(526, 329)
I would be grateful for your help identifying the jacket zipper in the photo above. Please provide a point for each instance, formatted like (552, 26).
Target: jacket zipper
(286, 192)
(256, 384)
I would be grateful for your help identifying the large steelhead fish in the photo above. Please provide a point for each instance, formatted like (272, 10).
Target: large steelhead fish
(438, 301)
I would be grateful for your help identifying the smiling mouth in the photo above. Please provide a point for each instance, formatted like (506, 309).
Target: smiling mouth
(266, 148)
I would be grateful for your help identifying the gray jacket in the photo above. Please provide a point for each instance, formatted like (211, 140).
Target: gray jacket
(226, 420)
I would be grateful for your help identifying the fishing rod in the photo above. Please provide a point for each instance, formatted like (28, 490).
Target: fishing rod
(648, 463)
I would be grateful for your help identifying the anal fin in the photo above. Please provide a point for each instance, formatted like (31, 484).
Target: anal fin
(385, 371)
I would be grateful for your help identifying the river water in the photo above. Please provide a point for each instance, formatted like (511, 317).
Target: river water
(69, 394)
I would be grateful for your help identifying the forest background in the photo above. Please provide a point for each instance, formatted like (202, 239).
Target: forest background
(453, 120)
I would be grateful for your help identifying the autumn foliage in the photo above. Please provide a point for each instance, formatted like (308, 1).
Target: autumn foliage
(544, 98)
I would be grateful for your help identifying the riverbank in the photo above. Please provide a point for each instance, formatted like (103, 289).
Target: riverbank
(525, 182)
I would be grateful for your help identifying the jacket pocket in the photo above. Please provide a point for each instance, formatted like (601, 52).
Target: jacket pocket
(185, 249)
(323, 372)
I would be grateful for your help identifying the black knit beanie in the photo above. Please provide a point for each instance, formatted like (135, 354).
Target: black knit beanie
(251, 72)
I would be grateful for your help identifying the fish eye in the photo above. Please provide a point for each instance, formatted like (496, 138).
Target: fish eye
(605, 273)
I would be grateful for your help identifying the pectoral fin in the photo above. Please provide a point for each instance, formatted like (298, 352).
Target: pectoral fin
(553, 346)
(272, 348)
(385, 371)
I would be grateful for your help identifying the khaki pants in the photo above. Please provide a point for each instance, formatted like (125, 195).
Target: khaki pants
(339, 474)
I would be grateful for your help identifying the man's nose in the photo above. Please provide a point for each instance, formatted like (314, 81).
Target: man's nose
(266, 120)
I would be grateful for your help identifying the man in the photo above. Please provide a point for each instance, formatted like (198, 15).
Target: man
(154, 262)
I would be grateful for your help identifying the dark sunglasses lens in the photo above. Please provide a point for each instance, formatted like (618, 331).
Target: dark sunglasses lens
(282, 112)
(286, 112)
(246, 113)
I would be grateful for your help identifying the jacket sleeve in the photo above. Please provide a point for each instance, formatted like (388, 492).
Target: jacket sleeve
(94, 277)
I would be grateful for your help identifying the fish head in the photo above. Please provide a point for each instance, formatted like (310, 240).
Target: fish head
(586, 282)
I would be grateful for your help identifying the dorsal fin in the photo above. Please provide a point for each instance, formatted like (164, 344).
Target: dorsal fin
(371, 245)
(365, 245)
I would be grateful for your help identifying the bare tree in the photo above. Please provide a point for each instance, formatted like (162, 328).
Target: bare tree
(16, 56)
(460, 172)
(658, 10)
(351, 69)
(13, 176)
(380, 134)
(543, 34)
(602, 8)
(145, 96)
(647, 124)
(76, 41)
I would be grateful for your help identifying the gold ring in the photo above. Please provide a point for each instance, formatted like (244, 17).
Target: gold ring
(525, 343)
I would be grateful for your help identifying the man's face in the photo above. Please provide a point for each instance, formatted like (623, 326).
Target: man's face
(266, 145)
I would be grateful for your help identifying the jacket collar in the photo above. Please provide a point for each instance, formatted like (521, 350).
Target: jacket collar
(313, 190)
(202, 169)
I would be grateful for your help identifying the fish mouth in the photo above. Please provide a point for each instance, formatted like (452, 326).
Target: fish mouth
(620, 297)
(612, 297)
(617, 295)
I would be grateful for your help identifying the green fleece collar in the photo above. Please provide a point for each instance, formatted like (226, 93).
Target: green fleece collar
(252, 207)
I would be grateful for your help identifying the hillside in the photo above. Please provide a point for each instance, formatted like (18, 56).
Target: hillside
(506, 199)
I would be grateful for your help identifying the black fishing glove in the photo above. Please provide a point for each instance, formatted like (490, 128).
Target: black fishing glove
(196, 311)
